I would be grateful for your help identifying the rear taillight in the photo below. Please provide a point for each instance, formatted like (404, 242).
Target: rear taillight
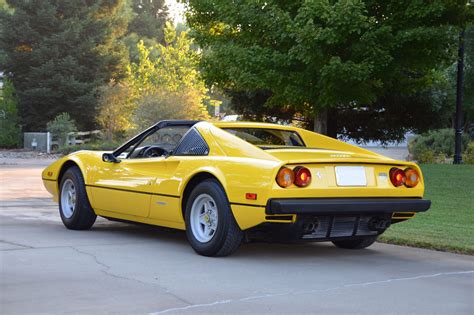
(302, 176)
(285, 177)
(412, 177)
(397, 177)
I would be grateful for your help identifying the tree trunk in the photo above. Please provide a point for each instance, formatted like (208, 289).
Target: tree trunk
(321, 121)
(325, 122)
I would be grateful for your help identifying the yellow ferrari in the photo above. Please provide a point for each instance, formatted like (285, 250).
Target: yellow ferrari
(224, 182)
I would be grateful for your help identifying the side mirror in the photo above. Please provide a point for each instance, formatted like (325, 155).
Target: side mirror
(110, 158)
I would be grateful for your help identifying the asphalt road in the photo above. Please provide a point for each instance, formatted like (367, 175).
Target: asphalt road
(128, 269)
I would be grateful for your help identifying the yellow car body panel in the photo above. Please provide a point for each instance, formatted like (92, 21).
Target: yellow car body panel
(151, 190)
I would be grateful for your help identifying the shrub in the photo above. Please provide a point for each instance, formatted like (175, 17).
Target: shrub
(115, 110)
(164, 104)
(94, 146)
(468, 156)
(60, 127)
(425, 156)
(439, 142)
(10, 132)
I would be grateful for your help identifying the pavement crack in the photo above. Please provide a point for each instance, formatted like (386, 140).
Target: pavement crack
(302, 292)
(106, 271)
(15, 244)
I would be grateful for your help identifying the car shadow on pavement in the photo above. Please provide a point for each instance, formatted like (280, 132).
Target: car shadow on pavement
(251, 250)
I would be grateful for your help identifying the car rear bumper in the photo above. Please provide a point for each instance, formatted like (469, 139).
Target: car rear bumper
(347, 206)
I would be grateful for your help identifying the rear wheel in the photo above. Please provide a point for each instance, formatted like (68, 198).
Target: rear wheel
(74, 207)
(210, 225)
(356, 244)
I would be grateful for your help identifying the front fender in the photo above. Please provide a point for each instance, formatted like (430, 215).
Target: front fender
(85, 160)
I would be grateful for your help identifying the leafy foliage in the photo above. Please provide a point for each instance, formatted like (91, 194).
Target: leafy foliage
(371, 60)
(9, 121)
(149, 18)
(468, 156)
(60, 127)
(162, 105)
(147, 23)
(164, 86)
(59, 52)
(429, 146)
(115, 110)
(94, 146)
(468, 104)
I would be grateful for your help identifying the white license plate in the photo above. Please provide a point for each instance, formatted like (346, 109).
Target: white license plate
(350, 176)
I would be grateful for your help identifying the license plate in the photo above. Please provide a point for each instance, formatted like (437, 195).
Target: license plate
(350, 176)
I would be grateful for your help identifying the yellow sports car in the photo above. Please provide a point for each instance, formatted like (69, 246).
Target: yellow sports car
(224, 182)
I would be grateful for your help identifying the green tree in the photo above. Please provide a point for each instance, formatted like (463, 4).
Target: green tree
(149, 18)
(59, 52)
(147, 23)
(357, 67)
(60, 127)
(10, 132)
(468, 103)
(164, 104)
(115, 110)
(171, 77)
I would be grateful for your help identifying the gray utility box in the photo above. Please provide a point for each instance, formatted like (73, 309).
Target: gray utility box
(37, 141)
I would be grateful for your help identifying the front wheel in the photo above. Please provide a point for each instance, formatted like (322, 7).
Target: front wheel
(74, 207)
(357, 243)
(210, 225)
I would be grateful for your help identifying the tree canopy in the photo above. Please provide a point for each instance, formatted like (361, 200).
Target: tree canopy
(147, 23)
(149, 18)
(9, 122)
(57, 53)
(370, 67)
(167, 85)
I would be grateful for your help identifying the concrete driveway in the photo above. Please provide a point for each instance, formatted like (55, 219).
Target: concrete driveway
(122, 268)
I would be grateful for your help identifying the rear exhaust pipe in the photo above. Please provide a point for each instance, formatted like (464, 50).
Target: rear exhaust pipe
(310, 227)
(379, 224)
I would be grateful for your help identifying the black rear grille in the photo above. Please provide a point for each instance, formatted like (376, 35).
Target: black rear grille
(340, 226)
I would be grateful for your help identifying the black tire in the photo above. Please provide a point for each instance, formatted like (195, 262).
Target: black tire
(357, 243)
(83, 217)
(227, 236)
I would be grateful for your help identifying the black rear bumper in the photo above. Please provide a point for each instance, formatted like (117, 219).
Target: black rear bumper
(335, 206)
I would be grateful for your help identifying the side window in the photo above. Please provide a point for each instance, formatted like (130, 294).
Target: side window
(161, 142)
(192, 144)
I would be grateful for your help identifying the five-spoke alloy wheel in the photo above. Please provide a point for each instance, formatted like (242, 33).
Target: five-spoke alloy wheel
(204, 218)
(210, 225)
(74, 207)
(68, 198)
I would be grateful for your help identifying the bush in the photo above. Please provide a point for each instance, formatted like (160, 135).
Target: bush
(60, 127)
(439, 142)
(468, 156)
(94, 146)
(425, 156)
(164, 104)
(115, 110)
(10, 132)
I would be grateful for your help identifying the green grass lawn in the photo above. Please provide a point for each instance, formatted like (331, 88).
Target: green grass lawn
(449, 223)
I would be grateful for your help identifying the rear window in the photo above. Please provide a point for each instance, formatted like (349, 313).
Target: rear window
(268, 138)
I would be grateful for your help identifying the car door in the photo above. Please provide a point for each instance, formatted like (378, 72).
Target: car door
(125, 187)
(128, 187)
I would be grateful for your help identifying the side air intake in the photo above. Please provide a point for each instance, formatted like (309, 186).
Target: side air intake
(192, 144)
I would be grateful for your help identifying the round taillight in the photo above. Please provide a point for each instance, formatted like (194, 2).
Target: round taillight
(412, 177)
(285, 177)
(397, 177)
(302, 176)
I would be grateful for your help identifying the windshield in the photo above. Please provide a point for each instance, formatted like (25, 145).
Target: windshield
(268, 138)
